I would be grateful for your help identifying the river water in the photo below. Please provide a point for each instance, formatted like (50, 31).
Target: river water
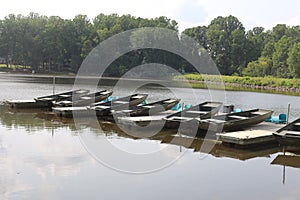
(44, 158)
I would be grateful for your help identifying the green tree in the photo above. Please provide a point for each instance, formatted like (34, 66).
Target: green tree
(226, 35)
(260, 67)
(29, 44)
(268, 50)
(8, 38)
(294, 60)
(53, 43)
(255, 43)
(280, 67)
(238, 51)
(278, 32)
(199, 34)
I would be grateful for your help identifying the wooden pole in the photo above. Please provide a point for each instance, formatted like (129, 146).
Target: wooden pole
(53, 85)
(283, 174)
(288, 113)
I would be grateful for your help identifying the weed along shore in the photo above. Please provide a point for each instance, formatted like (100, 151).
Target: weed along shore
(236, 83)
(261, 84)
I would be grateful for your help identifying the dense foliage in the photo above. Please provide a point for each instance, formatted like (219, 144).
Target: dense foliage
(253, 53)
(56, 44)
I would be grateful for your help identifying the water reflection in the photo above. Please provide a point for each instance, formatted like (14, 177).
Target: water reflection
(30, 119)
(30, 156)
(42, 157)
(287, 160)
(37, 120)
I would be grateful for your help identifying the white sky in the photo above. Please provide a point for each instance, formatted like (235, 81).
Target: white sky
(188, 13)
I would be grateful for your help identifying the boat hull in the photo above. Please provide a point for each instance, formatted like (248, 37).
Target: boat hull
(129, 101)
(153, 108)
(287, 141)
(191, 116)
(45, 101)
(233, 125)
(85, 100)
(289, 135)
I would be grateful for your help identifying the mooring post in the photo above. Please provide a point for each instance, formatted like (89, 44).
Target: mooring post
(288, 113)
(53, 85)
(180, 147)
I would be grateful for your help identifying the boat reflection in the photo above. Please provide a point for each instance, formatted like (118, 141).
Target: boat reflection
(38, 120)
(30, 119)
(289, 158)
(219, 150)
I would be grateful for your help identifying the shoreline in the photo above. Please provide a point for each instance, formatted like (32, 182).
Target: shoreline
(246, 87)
(200, 84)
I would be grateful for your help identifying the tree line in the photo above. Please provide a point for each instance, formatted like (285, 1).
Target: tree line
(56, 44)
(257, 52)
(51, 44)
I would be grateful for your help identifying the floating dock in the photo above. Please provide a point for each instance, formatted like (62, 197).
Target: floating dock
(28, 104)
(257, 135)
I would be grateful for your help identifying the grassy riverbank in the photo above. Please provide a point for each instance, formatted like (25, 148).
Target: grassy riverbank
(246, 83)
(258, 81)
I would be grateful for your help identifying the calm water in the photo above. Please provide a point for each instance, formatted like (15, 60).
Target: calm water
(42, 158)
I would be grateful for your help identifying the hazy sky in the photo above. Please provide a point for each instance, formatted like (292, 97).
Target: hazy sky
(187, 13)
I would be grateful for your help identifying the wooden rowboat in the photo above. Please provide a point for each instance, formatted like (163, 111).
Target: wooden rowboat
(148, 109)
(235, 121)
(289, 134)
(85, 100)
(201, 111)
(99, 109)
(106, 108)
(62, 96)
(45, 101)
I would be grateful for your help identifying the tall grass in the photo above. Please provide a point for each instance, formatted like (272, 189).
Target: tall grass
(255, 81)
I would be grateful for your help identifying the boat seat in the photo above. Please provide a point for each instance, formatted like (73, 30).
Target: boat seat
(69, 109)
(291, 133)
(101, 107)
(148, 106)
(64, 102)
(211, 105)
(258, 113)
(214, 120)
(211, 120)
(181, 118)
(238, 117)
(137, 97)
(86, 98)
(65, 95)
(297, 124)
(196, 112)
(121, 111)
(170, 101)
(119, 102)
(45, 99)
